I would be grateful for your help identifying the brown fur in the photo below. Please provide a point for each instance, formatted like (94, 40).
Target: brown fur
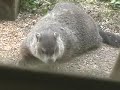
(77, 30)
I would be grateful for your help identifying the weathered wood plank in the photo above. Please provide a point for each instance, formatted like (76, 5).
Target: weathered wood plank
(9, 9)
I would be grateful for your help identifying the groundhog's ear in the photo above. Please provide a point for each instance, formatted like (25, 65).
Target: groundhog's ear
(56, 35)
(38, 37)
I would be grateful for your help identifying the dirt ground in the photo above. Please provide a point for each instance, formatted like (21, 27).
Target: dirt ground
(96, 63)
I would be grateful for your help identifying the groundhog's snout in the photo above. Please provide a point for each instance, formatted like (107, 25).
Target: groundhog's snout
(51, 61)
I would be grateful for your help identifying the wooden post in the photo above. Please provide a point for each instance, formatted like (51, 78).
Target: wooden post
(9, 9)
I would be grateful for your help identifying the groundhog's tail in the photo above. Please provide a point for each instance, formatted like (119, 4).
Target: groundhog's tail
(110, 38)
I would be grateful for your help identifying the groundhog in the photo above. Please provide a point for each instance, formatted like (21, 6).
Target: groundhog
(64, 33)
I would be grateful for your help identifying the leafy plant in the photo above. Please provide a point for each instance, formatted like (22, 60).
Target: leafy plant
(115, 3)
(40, 6)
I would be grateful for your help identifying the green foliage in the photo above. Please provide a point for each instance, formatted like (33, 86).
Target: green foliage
(28, 5)
(42, 6)
(115, 4)
(37, 6)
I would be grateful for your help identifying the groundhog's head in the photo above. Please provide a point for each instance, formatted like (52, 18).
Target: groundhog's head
(50, 47)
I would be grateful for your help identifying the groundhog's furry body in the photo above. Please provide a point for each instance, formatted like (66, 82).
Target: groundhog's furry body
(77, 33)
